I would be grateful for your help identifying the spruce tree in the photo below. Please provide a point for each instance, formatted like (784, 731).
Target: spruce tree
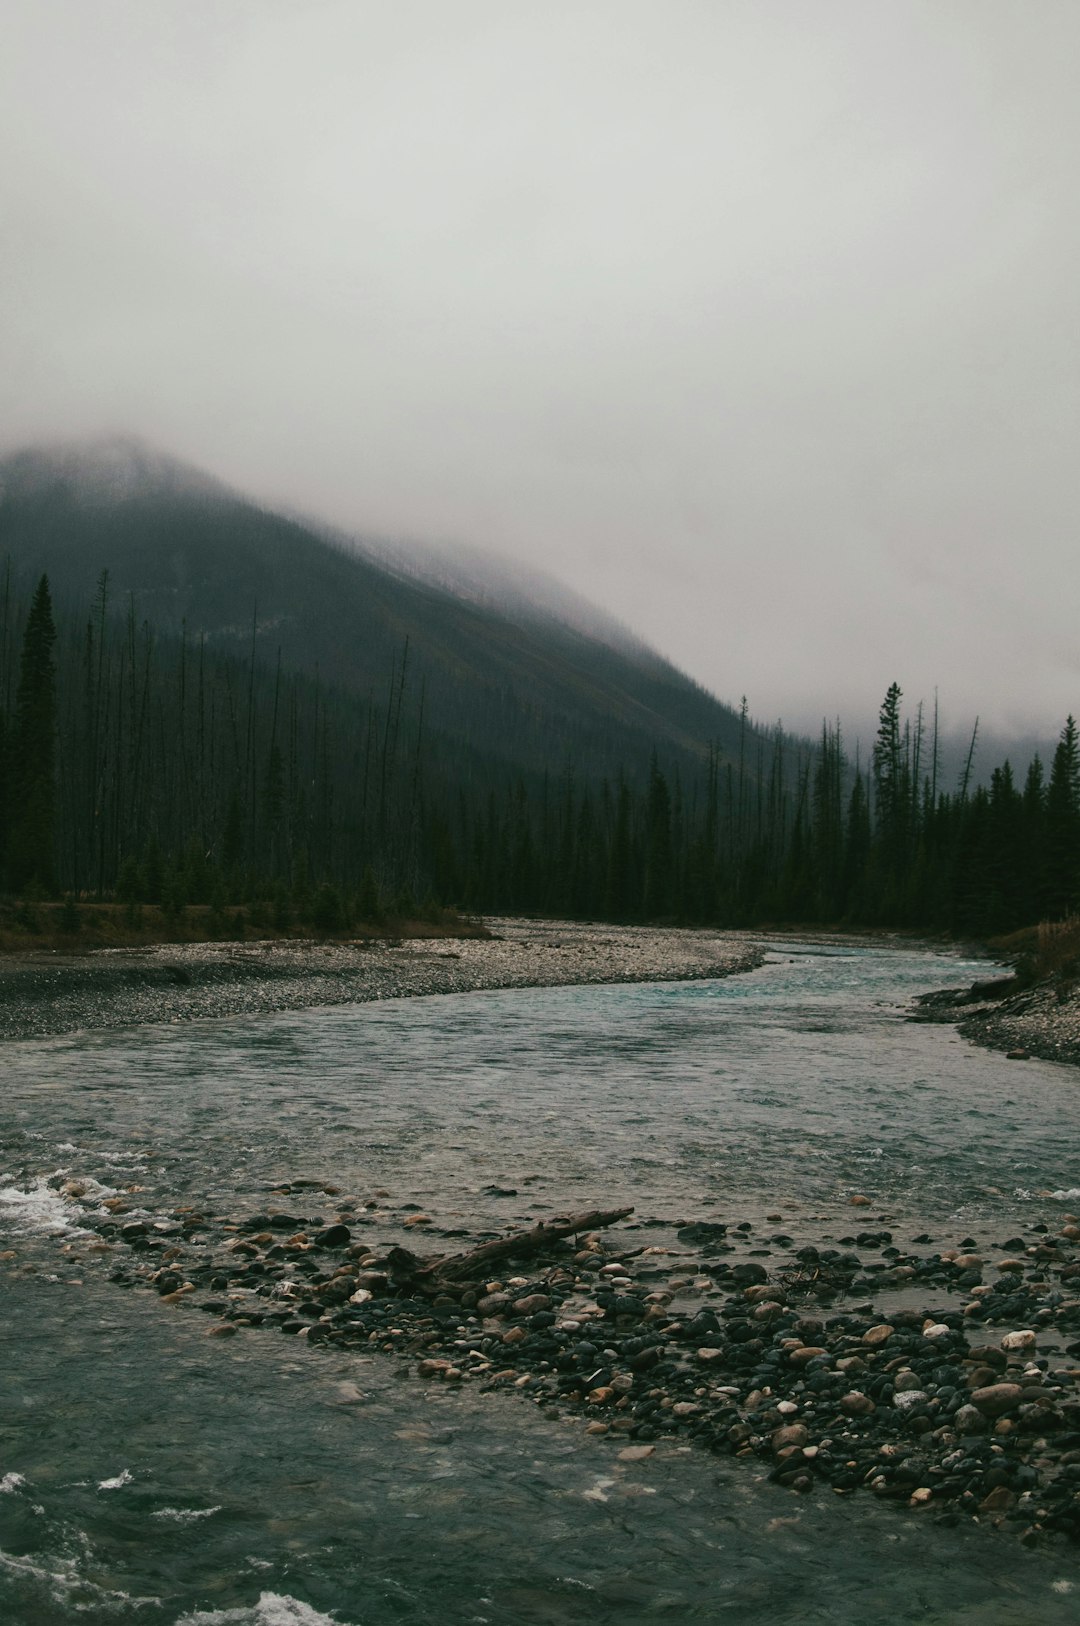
(1063, 825)
(31, 841)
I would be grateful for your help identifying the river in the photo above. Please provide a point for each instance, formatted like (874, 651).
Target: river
(150, 1474)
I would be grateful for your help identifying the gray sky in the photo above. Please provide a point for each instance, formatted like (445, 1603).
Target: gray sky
(754, 320)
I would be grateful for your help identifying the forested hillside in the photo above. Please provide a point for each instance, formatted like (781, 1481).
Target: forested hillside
(161, 769)
(205, 703)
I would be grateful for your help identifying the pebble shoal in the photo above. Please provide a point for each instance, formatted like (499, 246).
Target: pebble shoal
(944, 1379)
(44, 994)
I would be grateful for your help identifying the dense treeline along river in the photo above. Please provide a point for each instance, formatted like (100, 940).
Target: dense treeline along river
(151, 1473)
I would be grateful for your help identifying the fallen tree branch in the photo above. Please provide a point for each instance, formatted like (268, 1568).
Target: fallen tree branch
(460, 1266)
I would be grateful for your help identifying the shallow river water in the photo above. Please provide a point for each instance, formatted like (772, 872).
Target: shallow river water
(148, 1473)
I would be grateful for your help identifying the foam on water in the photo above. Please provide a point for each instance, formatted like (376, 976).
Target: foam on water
(11, 1483)
(69, 1590)
(37, 1209)
(118, 1483)
(272, 1609)
(184, 1515)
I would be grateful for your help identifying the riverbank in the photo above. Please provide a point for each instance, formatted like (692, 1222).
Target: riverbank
(48, 994)
(1041, 1021)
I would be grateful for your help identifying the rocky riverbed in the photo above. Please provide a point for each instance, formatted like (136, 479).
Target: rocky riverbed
(42, 994)
(940, 1377)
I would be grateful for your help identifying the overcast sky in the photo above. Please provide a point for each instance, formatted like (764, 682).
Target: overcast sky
(754, 320)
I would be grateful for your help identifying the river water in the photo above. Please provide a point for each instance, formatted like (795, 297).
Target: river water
(148, 1473)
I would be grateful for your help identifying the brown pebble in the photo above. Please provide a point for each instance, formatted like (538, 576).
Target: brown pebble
(789, 1435)
(996, 1398)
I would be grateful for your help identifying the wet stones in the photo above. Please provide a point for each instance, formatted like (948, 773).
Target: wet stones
(856, 1404)
(333, 1236)
(997, 1398)
(531, 1304)
(1014, 1341)
(927, 1407)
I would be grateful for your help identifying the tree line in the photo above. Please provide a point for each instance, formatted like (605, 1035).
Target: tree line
(162, 771)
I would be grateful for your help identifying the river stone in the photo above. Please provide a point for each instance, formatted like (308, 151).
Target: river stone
(493, 1303)
(856, 1404)
(805, 1352)
(1000, 1499)
(905, 1381)
(333, 1236)
(875, 1336)
(907, 1398)
(987, 1355)
(850, 1363)
(1019, 1340)
(996, 1398)
(749, 1274)
(969, 1420)
(531, 1304)
(788, 1436)
(634, 1453)
(936, 1329)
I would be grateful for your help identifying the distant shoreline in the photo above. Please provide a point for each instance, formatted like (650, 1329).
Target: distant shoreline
(46, 995)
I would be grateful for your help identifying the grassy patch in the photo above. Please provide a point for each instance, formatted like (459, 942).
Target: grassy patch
(1048, 951)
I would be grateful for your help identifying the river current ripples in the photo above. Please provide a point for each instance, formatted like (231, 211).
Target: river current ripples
(150, 1474)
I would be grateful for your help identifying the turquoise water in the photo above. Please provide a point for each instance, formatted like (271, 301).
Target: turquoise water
(150, 1473)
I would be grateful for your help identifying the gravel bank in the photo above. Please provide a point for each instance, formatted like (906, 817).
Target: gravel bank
(43, 994)
(1043, 1021)
(943, 1379)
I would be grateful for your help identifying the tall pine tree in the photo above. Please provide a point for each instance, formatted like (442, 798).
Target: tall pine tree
(32, 819)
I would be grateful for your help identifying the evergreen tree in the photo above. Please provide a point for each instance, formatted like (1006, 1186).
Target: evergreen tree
(1062, 887)
(658, 889)
(31, 840)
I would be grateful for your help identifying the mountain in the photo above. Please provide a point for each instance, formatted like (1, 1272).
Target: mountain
(513, 666)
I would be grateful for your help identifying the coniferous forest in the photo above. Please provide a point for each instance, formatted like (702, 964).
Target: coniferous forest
(160, 771)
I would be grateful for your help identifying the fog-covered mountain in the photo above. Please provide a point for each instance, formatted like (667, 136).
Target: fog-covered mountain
(513, 664)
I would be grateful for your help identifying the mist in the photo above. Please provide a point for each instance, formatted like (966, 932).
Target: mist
(756, 324)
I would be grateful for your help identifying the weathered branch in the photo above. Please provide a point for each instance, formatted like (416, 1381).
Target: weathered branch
(460, 1266)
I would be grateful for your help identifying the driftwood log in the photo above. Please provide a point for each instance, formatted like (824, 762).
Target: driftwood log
(431, 1274)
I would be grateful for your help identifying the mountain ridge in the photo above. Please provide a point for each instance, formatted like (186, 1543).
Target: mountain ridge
(191, 556)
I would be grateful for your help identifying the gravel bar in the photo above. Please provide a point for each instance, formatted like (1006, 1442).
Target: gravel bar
(44, 994)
